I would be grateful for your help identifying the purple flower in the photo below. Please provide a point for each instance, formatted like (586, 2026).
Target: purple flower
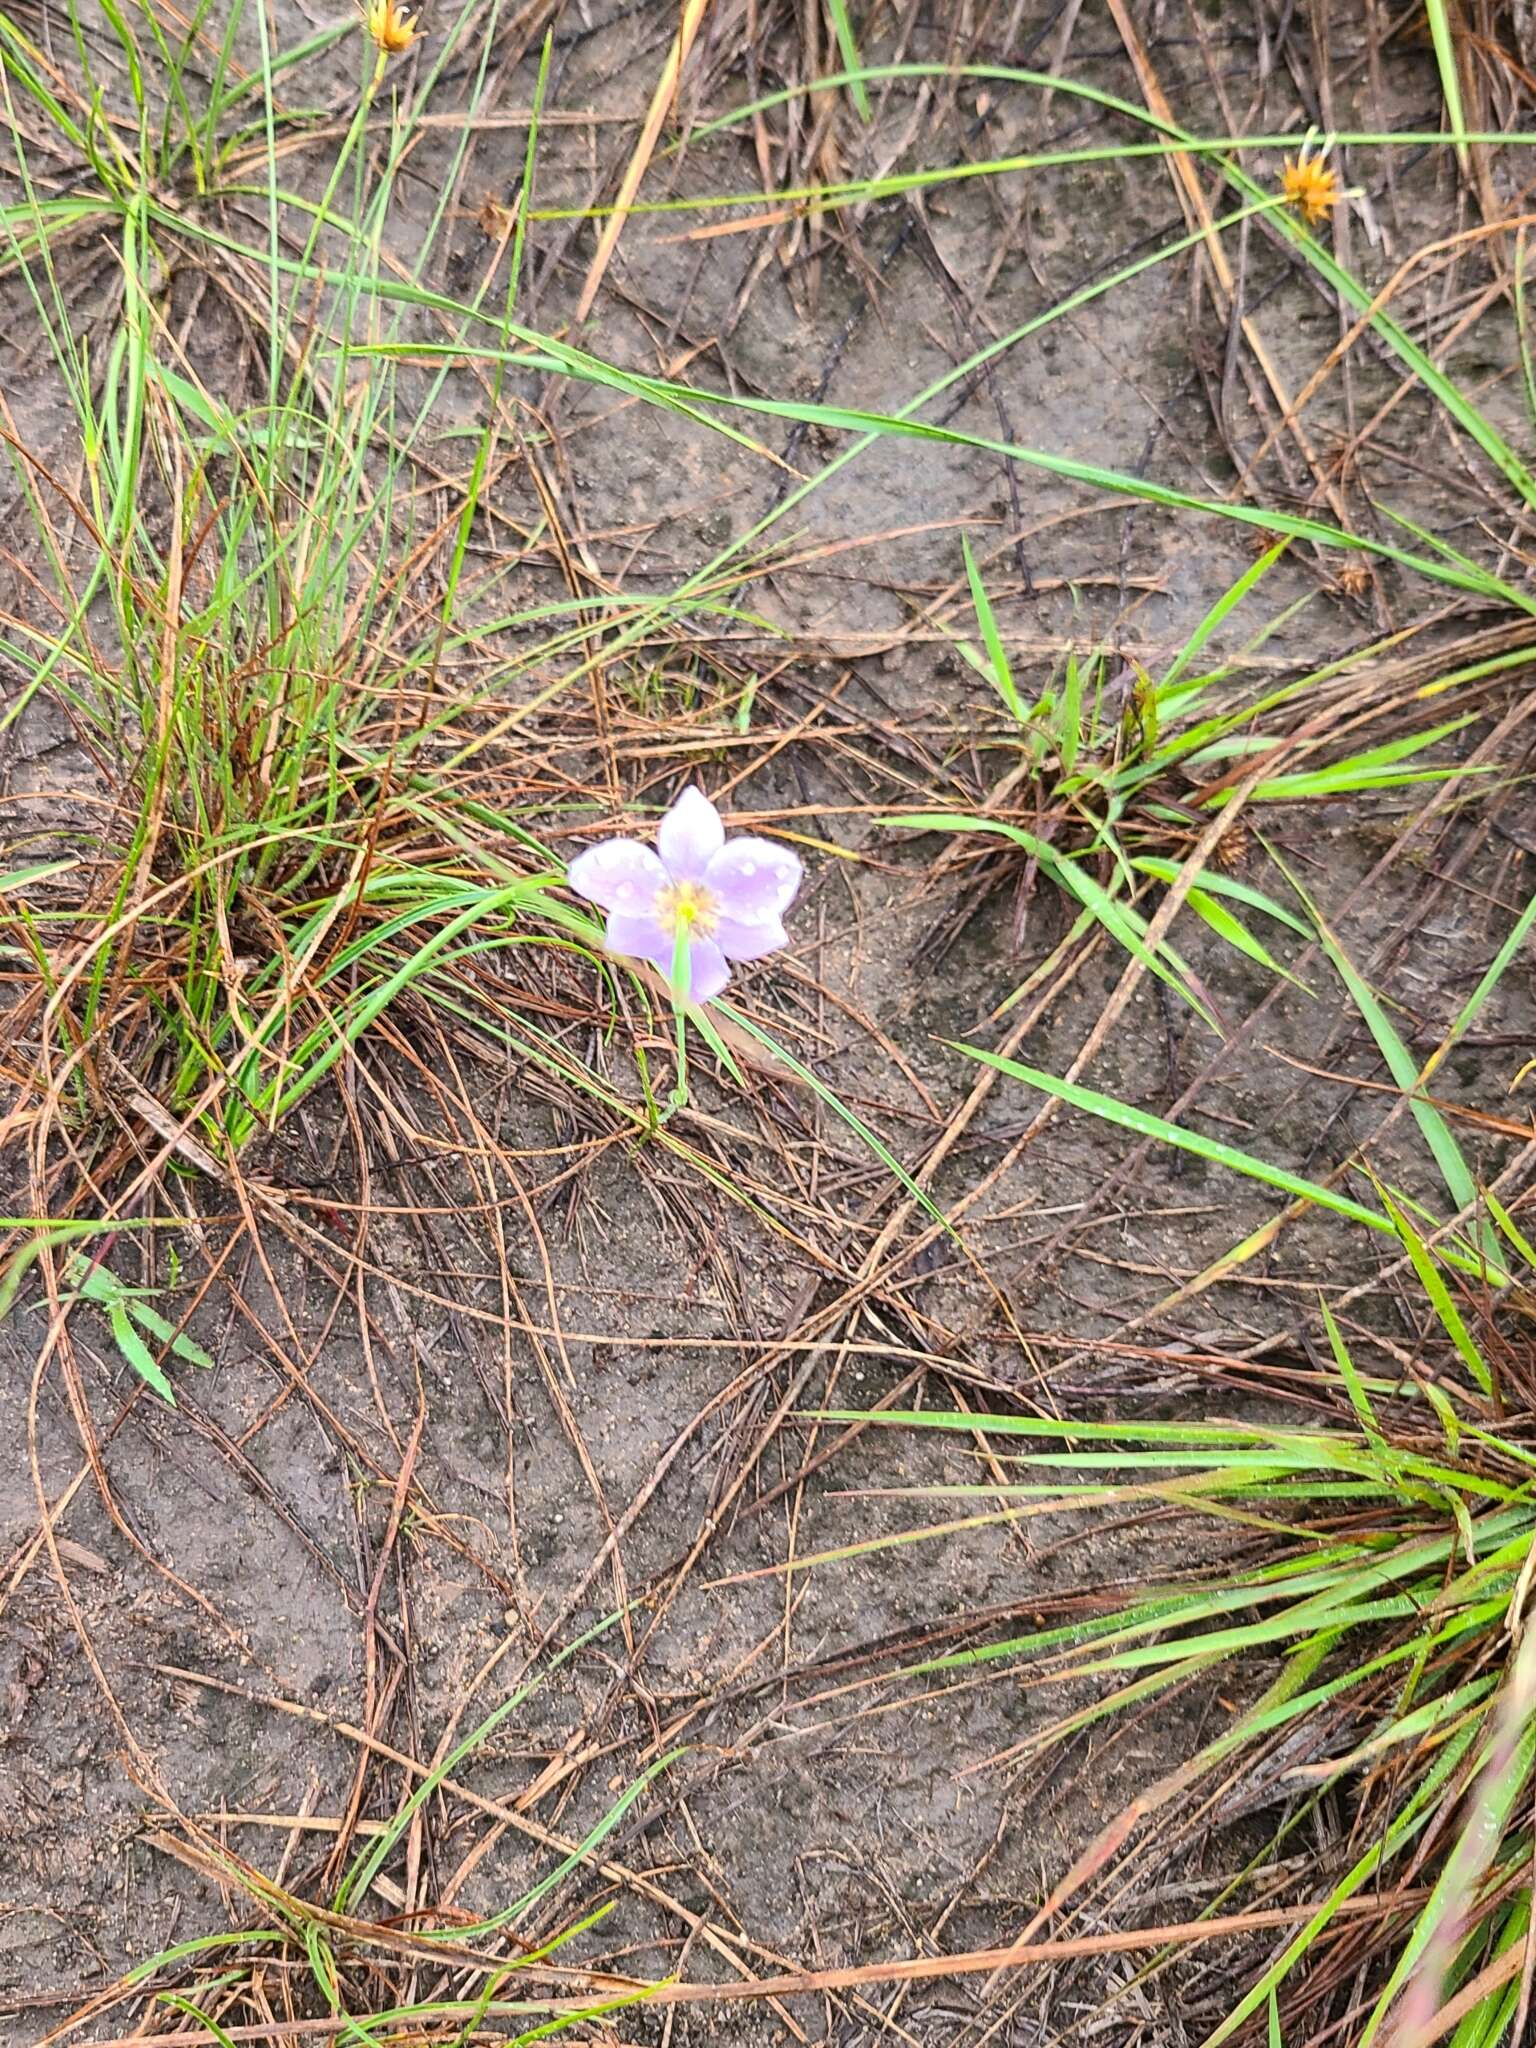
(723, 902)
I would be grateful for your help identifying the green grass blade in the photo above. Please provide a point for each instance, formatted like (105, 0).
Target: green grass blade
(997, 654)
(21, 878)
(1375, 768)
(1410, 1819)
(1523, 333)
(157, 1326)
(842, 28)
(1488, 981)
(1144, 1125)
(1510, 1228)
(1070, 717)
(1356, 294)
(138, 1353)
(840, 1109)
(695, 403)
(1227, 602)
(1359, 1399)
(1450, 76)
(372, 1857)
(200, 1945)
(1429, 1951)
(1404, 1069)
(1121, 922)
(1238, 936)
(1433, 1282)
(179, 2002)
(1215, 883)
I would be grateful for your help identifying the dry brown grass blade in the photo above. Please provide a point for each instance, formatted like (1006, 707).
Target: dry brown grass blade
(728, 1943)
(1193, 199)
(661, 101)
(909, 1970)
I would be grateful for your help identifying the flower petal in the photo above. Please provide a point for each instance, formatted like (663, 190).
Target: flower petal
(620, 874)
(689, 833)
(707, 971)
(739, 940)
(753, 881)
(640, 936)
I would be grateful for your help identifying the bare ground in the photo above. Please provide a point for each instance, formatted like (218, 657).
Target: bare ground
(396, 1487)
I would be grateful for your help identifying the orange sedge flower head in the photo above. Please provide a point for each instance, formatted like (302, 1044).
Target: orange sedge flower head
(1310, 187)
(390, 26)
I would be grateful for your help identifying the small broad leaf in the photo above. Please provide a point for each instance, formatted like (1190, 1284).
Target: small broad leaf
(138, 1353)
(157, 1326)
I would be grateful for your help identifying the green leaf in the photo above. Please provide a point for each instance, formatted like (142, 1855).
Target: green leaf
(1510, 1228)
(1219, 610)
(1489, 979)
(138, 1353)
(1450, 78)
(1504, 1769)
(1408, 1820)
(167, 1332)
(695, 403)
(1145, 1125)
(1118, 919)
(1433, 1282)
(839, 1108)
(718, 1046)
(1404, 1069)
(20, 878)
(26, 1256)
(375, 1853)
(997, 654)
(1344, 778)
(179, 2002)
(842, 28)
(200, 1945)
(1359, 1399)
(1217, 884)
(1070, 719)
(1237, 935)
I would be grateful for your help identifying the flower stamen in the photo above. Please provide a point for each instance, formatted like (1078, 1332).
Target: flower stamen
(687, 907)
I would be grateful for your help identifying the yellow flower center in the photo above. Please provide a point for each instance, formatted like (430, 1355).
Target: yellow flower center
(687, 907)
(1310, 187)
(390, 26)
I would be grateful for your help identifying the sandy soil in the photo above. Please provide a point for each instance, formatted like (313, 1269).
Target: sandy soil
(255, 1597)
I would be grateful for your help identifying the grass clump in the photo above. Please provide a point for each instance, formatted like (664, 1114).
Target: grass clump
(295, 826)
(1373, 1550)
